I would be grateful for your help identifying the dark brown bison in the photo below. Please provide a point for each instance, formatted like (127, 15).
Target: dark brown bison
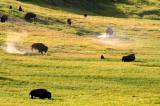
(102, 57)
(20, 8)
(30, 17)
(69, 22)
(4, 18)
(85, 15)
(129, 58)
(40, 93)
(40, 47)
(10, 7)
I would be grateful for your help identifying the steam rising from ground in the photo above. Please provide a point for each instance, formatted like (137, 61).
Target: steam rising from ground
(13, 41)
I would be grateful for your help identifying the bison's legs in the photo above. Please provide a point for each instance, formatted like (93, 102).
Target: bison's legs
(41, 52)
(31, 96)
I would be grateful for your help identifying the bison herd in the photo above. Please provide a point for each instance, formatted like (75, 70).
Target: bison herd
(42, 48)
(30, 16)
(43, 93)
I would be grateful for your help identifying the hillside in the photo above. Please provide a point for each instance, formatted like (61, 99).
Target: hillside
(149, 9)
(72, 69)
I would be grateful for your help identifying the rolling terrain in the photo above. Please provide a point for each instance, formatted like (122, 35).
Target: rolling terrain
(72, 69)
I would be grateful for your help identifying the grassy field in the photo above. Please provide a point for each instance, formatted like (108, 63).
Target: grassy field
(72, 69)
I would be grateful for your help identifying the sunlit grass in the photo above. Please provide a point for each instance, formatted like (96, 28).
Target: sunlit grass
(72, 69)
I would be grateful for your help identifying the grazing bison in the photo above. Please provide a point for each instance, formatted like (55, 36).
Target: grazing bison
(69, 21)
(4, 18)
(41, 93)
(30, 17)
(20, 8)
(102, 57)
(129, 58)
(40, 47)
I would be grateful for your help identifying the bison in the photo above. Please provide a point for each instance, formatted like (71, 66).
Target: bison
(10, 7)
(4, 18)
(102, 57)
(40, 93)
(69, 21)
(20, 8)
(40, 47)
(30, 17)
(85, 15)
(129, 58)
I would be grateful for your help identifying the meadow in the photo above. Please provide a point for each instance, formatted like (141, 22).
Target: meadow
(72, 69)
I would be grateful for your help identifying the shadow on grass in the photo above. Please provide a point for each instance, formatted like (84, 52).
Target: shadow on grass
(58, 99)
(81, 6)
(150, 12)
(5, 78)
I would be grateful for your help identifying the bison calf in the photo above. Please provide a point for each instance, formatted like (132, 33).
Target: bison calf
(129, 58)
(40, 47)
(40, 93)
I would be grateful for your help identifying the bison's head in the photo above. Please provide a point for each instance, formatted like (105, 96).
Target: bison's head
(46, 49)
(49, 95)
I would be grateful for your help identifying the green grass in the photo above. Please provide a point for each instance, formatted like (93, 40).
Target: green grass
(72, 69)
